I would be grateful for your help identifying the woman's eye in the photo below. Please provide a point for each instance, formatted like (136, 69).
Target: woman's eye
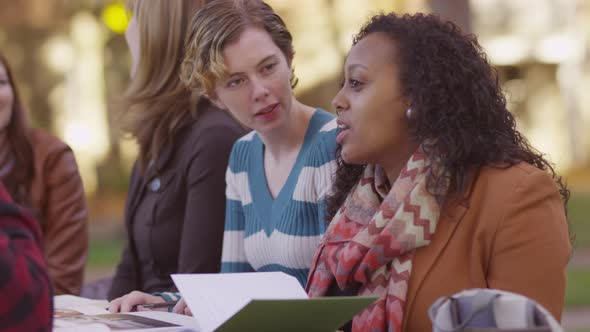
(234, 82)
(269, 67)
(354, 83)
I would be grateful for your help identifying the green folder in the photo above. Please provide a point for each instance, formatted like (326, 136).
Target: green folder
(313, 315)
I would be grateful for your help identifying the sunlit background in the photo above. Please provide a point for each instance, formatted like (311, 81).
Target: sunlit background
(70, 60)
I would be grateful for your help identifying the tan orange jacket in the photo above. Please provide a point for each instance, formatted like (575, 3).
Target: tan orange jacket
(508, 232)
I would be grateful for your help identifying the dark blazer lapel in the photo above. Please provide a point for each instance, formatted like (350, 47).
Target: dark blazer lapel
(165, 155)
(133, 193)
(136, 192)
(138, 189)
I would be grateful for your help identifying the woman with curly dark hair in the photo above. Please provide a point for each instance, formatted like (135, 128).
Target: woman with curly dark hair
(436, 190)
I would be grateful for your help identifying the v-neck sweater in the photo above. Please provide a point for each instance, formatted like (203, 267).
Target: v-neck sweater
(280, 234)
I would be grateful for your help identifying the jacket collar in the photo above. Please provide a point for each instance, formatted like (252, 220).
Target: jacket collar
(425, 257)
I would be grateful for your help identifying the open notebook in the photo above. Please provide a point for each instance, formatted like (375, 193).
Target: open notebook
(260, 301)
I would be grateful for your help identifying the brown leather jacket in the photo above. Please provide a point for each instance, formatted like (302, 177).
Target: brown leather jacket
(57, 196)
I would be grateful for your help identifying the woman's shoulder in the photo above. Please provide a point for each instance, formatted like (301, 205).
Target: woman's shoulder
(43, 141)
(500, 187)
(323, 121)
(52, 156)
(513, 197)
(47, 147)
(217, 129)
(213, 129)
(242, 151)
(211, 120)
(322, 147)
(515, 176)
(324, 126)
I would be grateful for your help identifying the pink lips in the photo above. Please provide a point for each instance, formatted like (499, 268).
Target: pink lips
(341, 136)
(344, 129)
(268, 112)
(267, 109)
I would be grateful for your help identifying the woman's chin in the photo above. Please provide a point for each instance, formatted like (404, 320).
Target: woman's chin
(350, 157)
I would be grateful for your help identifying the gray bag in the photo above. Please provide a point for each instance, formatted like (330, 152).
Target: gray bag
(490, 310)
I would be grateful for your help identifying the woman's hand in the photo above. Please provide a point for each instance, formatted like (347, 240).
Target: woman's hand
(182, 308)
(126, 302)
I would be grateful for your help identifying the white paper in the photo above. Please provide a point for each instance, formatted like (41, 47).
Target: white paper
(214, 298)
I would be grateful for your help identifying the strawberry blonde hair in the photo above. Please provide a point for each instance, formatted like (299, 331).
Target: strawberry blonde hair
(220, 23)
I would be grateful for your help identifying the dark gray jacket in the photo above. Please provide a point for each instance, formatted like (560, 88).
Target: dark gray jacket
(175, 219)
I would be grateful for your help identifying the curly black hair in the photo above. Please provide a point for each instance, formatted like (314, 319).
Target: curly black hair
(457, 102)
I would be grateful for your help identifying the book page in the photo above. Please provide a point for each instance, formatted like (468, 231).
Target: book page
(214, 298)
(85, 328)
(69, 304)
(73, 313)
(115, 322)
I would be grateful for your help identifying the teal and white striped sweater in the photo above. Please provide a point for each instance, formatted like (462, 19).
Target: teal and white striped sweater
(281, 234)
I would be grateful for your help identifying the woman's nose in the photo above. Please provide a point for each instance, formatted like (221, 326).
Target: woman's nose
(339, 104)
(260, 89)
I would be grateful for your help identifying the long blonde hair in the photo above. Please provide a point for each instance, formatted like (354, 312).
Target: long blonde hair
(220, 23)
(156, 104)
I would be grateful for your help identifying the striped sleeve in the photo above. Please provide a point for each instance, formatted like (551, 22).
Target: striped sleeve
(316, 178)
(324, 157)
(326, 154)
(169, 297)
(233, 257)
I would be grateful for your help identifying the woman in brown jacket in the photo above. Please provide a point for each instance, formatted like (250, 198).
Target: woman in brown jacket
(176, 201)
(436, 190)
(41, 174)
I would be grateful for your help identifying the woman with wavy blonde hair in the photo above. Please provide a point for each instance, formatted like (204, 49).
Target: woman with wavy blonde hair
(175, 207)
(239, 55)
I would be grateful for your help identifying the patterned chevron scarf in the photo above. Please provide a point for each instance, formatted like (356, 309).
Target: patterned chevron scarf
(371, 241)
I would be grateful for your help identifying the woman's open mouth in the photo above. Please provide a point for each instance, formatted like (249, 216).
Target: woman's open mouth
(267, 112)
(344, 130)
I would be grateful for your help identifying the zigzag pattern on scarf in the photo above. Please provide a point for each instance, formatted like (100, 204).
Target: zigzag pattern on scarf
(371, 241)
